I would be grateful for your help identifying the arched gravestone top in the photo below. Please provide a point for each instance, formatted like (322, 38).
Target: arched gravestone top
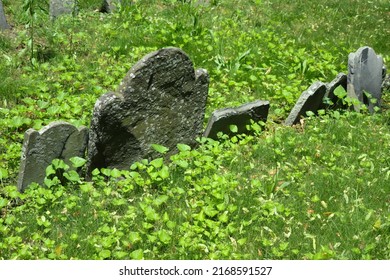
(161, 101)
(58, 140)
(365, 75)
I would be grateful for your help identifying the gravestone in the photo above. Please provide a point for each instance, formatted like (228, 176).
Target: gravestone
(58, 140)
(310, 100)
(3, 21)
(61, 7)
(365, 76)
(335, 102)
(222, 119)
(161, 101)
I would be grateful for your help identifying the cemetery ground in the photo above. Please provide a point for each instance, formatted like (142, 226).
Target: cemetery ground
(317, 190)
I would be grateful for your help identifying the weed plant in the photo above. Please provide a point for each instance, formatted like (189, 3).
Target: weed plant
(318, 190)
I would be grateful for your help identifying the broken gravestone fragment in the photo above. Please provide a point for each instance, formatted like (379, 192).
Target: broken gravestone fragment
(310, 100)
(365, 70)
(222, 119)
(332, 100)
(161, 101)
(3, 21)
(61, 7)
(58, 140)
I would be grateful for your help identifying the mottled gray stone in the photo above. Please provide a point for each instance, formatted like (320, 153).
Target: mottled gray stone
(58, 140)
(310, 100)
(3, 21)
(161, 101)
(335, 102)
(365, 70)
(241, 116)
(61, 7)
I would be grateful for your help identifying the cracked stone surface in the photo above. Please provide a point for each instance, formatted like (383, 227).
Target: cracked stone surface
(241, 116)
(58, 140)
(3, 21)
(161, 100)
(310, 100)
(365, 75)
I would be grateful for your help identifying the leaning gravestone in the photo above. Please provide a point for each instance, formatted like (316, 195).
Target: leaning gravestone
(310, 100)
(3, 21)
(60, 7)
(335, 102)
(365, 70)
(58, 140)
(161, 101)
(222, 119)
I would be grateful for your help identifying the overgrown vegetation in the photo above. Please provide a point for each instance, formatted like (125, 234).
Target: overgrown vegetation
(319, 190)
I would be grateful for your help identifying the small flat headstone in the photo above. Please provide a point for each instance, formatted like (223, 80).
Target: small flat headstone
(161, 100)
(222, 119)
(340, 80)
(310, 100)
(62, 7)
(3, 21)
(365, 70)
(58, 140)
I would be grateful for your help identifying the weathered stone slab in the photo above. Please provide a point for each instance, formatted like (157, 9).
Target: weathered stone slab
(310, 100)
(3, 21)
(222, 119)
(365, 76)
(340, 80)
(61, 7)
(58, 140)
(161, 101)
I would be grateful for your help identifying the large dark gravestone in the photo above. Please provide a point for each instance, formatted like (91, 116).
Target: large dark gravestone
(58, 140)
(222, 119)
(3, 21)
(365, 70)
(161, 101)
(61, 7)
(310, 100)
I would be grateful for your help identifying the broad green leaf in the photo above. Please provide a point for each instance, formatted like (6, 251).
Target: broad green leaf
(78, 162)
(134, 237)
(3, 202)
(164, 236)
(164, 172)
(340, 92)
(157, 163)
(159, 148)
(137, 254)
(105, 254)
(233, 128)
(3, 173)
(183, 147)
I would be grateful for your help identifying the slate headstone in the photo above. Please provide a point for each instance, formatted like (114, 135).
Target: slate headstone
(222, 119)
(3, 21)
(365, 75)
(161, 101)
(61, 7)
(310, 100)
(58, 140)
(335, 102)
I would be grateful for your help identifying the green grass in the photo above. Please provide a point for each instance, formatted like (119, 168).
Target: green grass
(314, 191)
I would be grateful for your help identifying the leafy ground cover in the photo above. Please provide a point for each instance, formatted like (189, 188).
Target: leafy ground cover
(319, 190)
